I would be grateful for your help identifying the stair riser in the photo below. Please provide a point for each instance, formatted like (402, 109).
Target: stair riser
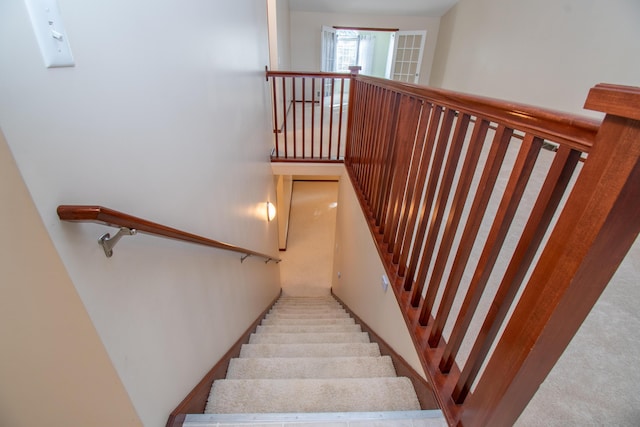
(309, 355)
(306, 310)
(310, 350)
(318, 338)
(307, 316)
(309, 329)
(309, 367)
(312, 395)
(312, 322)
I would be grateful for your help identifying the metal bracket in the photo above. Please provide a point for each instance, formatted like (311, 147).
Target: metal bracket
(107, 242)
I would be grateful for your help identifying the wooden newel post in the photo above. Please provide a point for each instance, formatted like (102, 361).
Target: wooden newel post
(598, 225)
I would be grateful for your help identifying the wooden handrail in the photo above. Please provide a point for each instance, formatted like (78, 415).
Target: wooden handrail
(573, 130)
(310, 74)
(112, 218)
(420, 157)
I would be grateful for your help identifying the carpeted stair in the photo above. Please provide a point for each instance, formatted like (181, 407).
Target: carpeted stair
(309, 356)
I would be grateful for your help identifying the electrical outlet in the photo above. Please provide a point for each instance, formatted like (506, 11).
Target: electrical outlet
(385, 282)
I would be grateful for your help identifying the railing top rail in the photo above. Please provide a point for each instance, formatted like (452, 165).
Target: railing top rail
(110, 217)
(316, 74)
(575, 131)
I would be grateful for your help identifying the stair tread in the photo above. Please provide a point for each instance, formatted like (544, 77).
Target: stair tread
(318, 315)
(309, 338)
(310, 350)
(292, 328)
(290, 321)
(423, 418)
(307, 311)
(312, 395)
(310, 367)
(309, 355)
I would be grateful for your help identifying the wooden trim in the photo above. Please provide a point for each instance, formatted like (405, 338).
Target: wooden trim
(317, 74)
(112, 218)
(595, 229)
(196, 400)
(575, 131)
(424, 391)
(314, 160)
(623, 101)
(389, 30)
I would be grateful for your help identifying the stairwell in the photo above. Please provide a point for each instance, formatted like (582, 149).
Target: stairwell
(309, 363)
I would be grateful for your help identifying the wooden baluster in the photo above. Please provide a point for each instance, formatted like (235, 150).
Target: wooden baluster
(416, 215)
(323, 85)
(380, 141)
(370, 147)
(455, 213)
(366, 131)
(313, 116)
(438, 208)
(405, 140)
(414, 192)
(598, 225)
(388, 159)
(304, 108)
(295, 124)
(340, 118)
(333, 83)
(394, 162)
(430, 194)
(480, 202)
(285, 115)
(549, 198)
(276, 129)
(520, 174)
(423, 213)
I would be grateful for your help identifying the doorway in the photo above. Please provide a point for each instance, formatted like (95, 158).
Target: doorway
(380, 53)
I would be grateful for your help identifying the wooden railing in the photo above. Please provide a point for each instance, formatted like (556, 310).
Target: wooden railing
(112, 218)
(496, 248)
(309, 115)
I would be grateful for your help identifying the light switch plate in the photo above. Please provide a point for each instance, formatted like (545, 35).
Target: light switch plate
(52, 37)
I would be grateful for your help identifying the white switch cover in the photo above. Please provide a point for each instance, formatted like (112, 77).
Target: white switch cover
(52, 38)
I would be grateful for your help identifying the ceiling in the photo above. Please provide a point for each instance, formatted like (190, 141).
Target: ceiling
(375, 7)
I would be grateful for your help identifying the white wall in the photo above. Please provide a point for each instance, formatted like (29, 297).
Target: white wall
(166, 117)
(284, 35)
(279, 40)
(359, 286)
(307, 26)
(54, 370)
(546, 52)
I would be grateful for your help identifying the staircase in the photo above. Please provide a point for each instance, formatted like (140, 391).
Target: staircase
(309, 362)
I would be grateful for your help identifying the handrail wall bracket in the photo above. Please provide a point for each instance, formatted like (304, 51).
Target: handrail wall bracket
(107, 242)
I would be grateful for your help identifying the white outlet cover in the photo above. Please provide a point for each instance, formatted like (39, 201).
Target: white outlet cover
(385, 282)
(50, 33)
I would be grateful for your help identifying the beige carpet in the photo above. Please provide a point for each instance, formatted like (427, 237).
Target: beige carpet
(310, 356)
(307, 263)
